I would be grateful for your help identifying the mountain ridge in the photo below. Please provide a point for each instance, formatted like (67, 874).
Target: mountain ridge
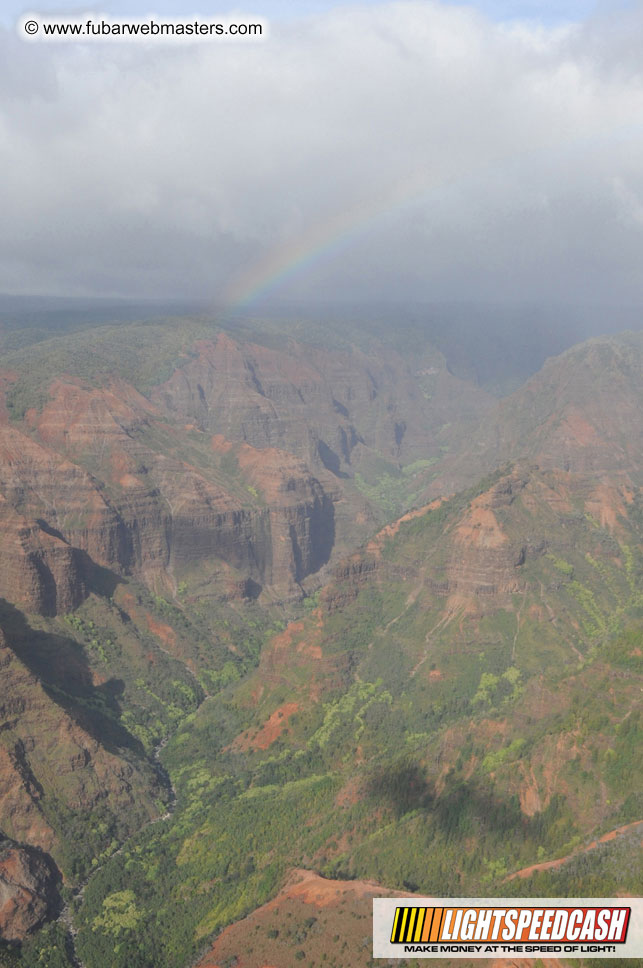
(215, 583)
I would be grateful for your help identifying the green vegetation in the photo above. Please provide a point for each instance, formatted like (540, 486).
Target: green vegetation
(387, 492)
(418, 465)
(49, 948)
(10, 957)
(425, 736)
(144, 354)
(245, 816)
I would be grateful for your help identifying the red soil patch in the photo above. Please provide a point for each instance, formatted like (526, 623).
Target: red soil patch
(480, 527)
(279, 476)
(163, 632)
(605, 504)
(348, 796)
(336, 904)
(284, 642)
(577, 429)
(290, 651)
(269, 732)
(530, 802)
(130, 481)
(487, 729)
(312, 651)
(167, 638)
(128, 600)
(220, 445)
(285, 639)
(121, 470)
(323, 892)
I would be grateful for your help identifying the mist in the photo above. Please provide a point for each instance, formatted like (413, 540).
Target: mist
(415, 153)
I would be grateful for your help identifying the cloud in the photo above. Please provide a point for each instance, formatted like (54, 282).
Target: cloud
(398, 149)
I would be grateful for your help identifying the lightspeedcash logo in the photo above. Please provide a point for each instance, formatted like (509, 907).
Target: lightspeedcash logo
(501, 927)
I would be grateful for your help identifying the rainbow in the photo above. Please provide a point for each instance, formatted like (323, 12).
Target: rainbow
(340, 230)
(324, 239)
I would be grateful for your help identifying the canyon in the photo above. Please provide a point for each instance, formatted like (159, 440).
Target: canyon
(282, 562)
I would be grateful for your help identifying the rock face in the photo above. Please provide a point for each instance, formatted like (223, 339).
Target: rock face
(59, 494)
(240, 460)
(330, 408)
(53, 516)
(300, 511)
(582, 412)
(38, 570)
(28, 893)
(47, 755)
(483, 561)
(267, 398)
(105, 484)
(348, 577)
(532, 535)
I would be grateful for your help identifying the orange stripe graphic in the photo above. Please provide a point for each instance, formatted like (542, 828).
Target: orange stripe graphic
(436, 930)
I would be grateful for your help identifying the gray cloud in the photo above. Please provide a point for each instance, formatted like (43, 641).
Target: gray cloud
(405, 148)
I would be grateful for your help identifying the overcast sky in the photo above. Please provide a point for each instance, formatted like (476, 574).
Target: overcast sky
(425, 149)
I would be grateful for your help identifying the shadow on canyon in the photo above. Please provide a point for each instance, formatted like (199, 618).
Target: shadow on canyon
(60, 664)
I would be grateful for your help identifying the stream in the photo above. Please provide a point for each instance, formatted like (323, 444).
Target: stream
(65, 917)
